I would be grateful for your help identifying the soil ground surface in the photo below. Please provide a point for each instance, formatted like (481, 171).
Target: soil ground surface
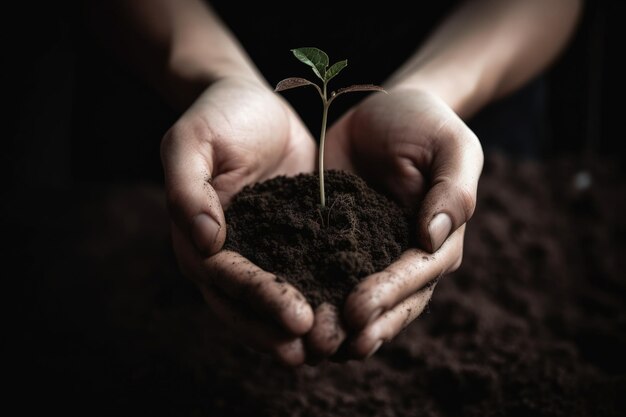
(324, 252)
(532, 324)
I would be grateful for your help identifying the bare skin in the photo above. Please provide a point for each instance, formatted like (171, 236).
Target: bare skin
(414, 146)
(223, 142)
(413, 142)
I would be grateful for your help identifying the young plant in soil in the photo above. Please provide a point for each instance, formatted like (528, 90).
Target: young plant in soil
(318, 61)
(275, 223)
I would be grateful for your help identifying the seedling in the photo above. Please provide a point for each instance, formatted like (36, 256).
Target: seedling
(318, 61)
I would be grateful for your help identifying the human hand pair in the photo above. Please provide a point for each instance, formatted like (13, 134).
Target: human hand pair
(408, 144)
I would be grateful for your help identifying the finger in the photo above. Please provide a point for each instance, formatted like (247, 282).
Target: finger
(262, 291)
(385, 328)
(326, 335)
(243, 281)
(192, 201)
(253, 332)
(412, 271)
(451, 198)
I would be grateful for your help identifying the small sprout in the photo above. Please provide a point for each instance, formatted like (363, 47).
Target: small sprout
(318, 61)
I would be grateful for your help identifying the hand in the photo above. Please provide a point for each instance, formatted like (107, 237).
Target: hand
(412, 146)
(236, 133)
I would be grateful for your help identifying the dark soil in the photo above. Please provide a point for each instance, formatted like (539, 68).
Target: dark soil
(532, 324)
(279, 225)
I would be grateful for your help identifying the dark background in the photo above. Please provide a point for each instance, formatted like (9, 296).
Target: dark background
(78, 119)
(80, 115)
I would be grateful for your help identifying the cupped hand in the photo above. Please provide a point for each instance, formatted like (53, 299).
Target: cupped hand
(236, 133)
(413, 147)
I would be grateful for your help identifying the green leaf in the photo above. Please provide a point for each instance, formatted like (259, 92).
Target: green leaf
(335, 69)
(359, 87)
(295, 82)
(313, 57)
(354, 88)
(292, 82)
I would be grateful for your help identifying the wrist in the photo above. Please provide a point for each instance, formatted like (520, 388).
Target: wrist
(461, 91)
(189, 77)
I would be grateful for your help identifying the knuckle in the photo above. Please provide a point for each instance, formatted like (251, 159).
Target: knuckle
(290, 354)
(175, 200)
(386, 290)
(171, 139)
(182, 132)
(320, 343)
(457, 263)
(467, 201)
(367, 300)
(284, 303)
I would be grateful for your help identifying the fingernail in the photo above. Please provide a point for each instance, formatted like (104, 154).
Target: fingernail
(439, 229)
(374, 349)
(376, 314)
(204, 232)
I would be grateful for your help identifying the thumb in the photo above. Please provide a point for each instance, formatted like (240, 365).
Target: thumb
(191, 199)
(451, 199)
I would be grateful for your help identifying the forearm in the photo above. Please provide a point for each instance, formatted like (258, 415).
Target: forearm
(180, 46)
(487, 49)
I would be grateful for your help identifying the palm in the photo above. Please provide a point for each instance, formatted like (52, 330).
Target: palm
(390, 140)
(413, 147)
(236, 133)
(248, 134)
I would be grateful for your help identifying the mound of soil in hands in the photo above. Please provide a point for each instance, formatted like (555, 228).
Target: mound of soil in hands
(532, 324)
(279, 225)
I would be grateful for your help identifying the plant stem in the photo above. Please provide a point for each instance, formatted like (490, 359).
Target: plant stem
(321, 151)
